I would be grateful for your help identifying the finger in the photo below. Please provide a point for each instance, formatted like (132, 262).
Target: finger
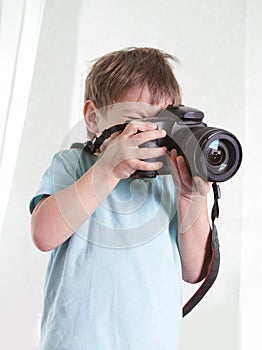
(171, 159)
(146, 136)
(138, 164)
(147, 153)
(173, 154)
(184, 173)
(133, 127)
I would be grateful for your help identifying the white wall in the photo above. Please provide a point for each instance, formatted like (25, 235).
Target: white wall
(217, 44)
(47, 120)
(251, 266)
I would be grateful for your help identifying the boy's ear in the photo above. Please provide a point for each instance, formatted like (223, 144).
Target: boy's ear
(90, 115)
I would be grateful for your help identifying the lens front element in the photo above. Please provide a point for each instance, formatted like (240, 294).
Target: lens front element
(222, 153)
(218, 155)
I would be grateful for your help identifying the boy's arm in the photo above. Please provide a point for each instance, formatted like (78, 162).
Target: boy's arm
(58, 216)
(194, 239)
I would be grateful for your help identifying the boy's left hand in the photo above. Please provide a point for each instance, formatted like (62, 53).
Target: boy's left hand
(186, 185)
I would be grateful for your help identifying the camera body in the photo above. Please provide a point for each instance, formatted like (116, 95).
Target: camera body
(211, 153)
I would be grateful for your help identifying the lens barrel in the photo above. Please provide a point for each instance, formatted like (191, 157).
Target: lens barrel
(214, 154)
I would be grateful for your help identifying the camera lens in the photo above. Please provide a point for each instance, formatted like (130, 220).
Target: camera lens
(223, 155)
(214, 154)
(218, 156)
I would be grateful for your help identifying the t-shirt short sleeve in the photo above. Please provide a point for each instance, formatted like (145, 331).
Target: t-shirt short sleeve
(64, 170)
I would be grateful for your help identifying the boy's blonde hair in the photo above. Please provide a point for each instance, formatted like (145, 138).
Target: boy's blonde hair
(114, 74)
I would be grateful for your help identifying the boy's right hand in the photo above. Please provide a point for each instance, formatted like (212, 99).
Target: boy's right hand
(122, 156)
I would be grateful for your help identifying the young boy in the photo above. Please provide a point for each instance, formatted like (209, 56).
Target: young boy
(120, 246)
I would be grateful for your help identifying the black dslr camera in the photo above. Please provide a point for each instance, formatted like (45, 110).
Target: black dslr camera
(213, 154)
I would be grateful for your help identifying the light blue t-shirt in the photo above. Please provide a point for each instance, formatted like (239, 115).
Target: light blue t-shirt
(115, 284)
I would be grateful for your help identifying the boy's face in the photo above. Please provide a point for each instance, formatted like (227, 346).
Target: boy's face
(134, 105)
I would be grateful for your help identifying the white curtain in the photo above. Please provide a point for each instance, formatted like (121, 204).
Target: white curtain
(20, 22)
